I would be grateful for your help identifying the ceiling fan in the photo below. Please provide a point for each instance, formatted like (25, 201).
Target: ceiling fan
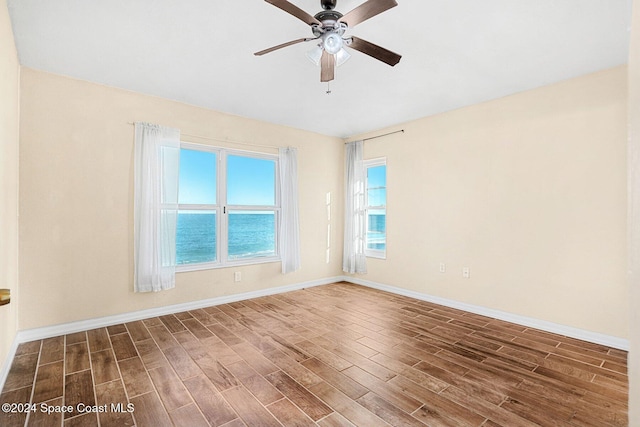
(329, 26)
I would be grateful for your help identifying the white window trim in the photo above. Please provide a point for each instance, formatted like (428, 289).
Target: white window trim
(375, 253)
(221, 209)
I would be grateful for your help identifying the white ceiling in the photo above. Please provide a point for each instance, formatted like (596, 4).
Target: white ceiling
(454, 53)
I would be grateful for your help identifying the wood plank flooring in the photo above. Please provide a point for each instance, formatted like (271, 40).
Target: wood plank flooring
(335, 355)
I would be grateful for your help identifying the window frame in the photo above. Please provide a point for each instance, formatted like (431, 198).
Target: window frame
(372, 163)
(222, 209)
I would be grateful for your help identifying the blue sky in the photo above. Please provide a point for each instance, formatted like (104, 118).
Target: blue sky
(250, 181)
(377, 177)
(197, 177)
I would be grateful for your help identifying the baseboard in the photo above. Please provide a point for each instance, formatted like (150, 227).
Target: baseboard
(569, 331)
(7, 362)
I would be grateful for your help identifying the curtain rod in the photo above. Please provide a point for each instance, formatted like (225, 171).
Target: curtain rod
(230, 141)
(380, 136)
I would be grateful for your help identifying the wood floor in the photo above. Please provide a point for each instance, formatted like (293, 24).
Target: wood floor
(335, 355)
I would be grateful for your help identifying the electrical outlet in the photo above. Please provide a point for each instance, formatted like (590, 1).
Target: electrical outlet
(237, 276)
(466, 273)
(443, 267)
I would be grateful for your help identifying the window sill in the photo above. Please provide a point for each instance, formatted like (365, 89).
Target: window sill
(216, 265)
(377, 255)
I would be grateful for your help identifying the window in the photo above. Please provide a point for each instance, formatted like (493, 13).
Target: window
(198, 210)
(251, 200)
(228, 207)
(376, 203)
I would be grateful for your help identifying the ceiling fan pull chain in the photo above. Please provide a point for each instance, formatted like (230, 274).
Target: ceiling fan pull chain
(328, 88)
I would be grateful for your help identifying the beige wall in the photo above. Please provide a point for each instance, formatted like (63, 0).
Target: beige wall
(9, 119)
(76, 194)
(634, 218)
(528, 191)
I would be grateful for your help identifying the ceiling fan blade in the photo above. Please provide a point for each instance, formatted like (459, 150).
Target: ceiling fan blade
(374, 51)
(280, 46)
(327, 64)
(367, 10)
(295, 11)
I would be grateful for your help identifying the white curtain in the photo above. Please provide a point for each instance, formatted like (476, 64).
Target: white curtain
(355, 225)
(289, 242)
(156, 167)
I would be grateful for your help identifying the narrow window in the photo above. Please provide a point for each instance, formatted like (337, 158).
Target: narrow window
(376, 202)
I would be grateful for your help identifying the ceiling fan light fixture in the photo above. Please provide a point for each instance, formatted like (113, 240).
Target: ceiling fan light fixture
(315, 55)
(342, 56)
(332, 43)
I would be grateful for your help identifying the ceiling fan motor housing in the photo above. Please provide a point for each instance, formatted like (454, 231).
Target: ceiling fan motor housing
(329, 20)
(328, 16)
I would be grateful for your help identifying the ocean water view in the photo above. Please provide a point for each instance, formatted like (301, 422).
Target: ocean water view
(250, 235)
(377, 232)
(196, 238)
